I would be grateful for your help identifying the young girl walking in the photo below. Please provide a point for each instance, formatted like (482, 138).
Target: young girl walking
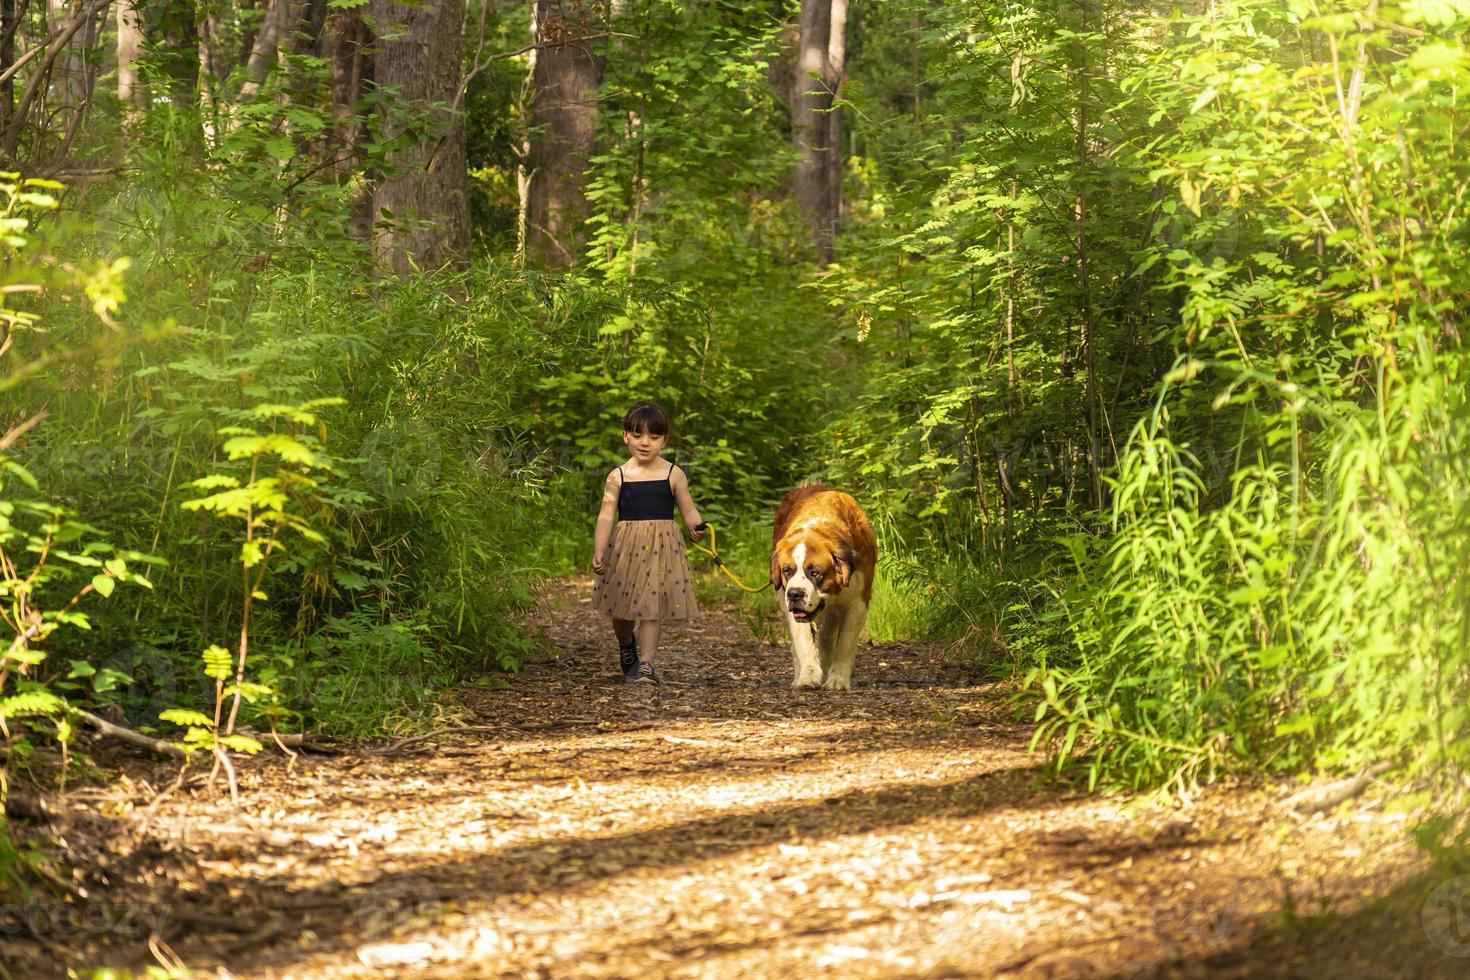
(643, 572)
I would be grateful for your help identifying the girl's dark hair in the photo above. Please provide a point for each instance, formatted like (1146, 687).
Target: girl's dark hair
(647, 417)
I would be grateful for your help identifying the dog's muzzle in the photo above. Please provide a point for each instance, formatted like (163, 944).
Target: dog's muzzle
(800, 614)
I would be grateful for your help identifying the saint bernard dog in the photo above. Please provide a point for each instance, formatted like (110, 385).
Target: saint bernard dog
(822, 559)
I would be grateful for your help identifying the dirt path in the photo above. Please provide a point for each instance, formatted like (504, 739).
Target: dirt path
(724, 826)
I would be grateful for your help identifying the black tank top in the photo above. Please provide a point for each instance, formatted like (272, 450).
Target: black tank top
(646, 500)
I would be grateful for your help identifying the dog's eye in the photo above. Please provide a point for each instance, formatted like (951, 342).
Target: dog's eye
(814, 572)
(788, 570)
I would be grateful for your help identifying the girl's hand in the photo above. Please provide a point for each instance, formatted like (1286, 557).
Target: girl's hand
(598, 565)
(699, 531)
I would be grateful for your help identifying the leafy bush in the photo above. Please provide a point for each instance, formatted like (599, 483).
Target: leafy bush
(1282, 582)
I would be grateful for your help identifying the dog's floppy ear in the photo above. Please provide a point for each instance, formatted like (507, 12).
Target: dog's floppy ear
(843, 562)
(776, 569)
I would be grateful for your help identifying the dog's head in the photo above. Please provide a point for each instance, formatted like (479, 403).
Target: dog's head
(807, 569)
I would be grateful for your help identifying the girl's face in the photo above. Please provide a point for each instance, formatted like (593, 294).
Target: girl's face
(643, 445)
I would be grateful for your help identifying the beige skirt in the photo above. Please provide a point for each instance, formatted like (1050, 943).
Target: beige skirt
(647, 574)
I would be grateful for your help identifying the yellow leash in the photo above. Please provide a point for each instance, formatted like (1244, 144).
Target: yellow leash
(720, 562)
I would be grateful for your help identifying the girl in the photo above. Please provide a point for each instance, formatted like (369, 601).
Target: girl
(643, 574)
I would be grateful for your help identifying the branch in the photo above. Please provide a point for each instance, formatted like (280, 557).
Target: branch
(533, 46)
(453, 730)
(1316, 799)
(59, 40)
(13, 436)
(131, 737)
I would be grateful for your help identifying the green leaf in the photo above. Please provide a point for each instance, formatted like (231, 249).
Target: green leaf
(104, 584)
(241, 743)
(184, 717)
(30, 703)
(1248, 595)
(217, 662)
(21, 473)
(251, 553)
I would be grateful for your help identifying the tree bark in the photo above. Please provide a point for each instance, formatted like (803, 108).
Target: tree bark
(345, 42)
(565, 75)
(10, 15)
(815, 129)
(129, 45)
(420, 209)
(66, 77)
(1089, 320)
(836, 67)
(280, 16)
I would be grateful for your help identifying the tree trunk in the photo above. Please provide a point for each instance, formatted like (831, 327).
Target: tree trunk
(129, 45)
(278, 22)
(66, 76)
(1089, 319)
(420, 210)
(565, 75)
(836, 65)
(815, 130)
(9, 23)
(345, 41)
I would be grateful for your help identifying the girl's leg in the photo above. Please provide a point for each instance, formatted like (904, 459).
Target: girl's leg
(647, 631)
(623, 629)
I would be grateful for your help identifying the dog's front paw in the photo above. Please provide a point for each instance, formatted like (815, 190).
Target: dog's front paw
(807, 680)
(838, 682)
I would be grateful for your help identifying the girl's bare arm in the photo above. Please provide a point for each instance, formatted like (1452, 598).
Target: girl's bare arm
(603, 534)
(680, 484)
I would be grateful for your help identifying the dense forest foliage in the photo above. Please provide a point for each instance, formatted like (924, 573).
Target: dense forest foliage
(1138, 328)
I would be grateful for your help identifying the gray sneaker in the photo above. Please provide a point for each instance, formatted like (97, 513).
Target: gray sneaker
(645, 673)
(628, 660)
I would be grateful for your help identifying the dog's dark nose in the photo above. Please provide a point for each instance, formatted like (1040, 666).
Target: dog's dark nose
(795, 596)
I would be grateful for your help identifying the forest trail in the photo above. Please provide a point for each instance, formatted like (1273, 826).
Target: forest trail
(722, 826)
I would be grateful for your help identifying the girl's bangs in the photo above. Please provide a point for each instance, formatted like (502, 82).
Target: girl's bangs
(648, 417)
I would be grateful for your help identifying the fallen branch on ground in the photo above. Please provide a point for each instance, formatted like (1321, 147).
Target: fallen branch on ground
(1315, 799)
(165, 747)
(460, 730)
(138, 739)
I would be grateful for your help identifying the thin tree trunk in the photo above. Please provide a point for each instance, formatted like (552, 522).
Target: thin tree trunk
(11, 15)
(130, 91)
(565, 76)
(210, 70)
(1089, 321)
(810, 100)
(65, 77)
(275, 27)
(9, 22)
(524, 166)
(345, 42)
(420, 209)
(345, 38)
(1009, 291)
(835, 74)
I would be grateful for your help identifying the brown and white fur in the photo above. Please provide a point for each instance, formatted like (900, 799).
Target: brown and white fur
(823, 556)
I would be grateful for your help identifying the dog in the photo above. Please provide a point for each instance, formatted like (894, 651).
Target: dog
(823, 555)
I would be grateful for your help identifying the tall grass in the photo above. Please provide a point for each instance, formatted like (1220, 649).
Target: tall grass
(1314, 618)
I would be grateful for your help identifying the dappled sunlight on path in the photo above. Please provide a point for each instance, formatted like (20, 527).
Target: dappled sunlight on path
(726, 826)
